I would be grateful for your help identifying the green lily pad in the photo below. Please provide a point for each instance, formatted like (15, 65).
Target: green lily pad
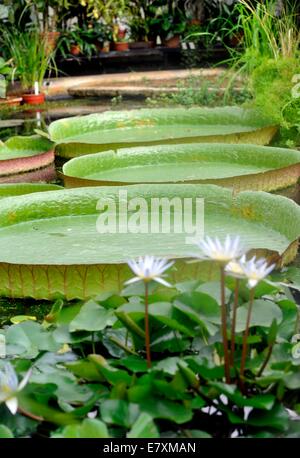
(119, 129)
(18, 189)
(88, 429)
(49, 244)
(237, 166)
(144, 427)
(21, 154)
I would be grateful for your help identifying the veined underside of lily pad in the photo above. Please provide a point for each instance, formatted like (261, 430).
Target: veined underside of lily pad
(44, 175)
(21, 154)
(49, 245)
(120, 129)
(241, 167)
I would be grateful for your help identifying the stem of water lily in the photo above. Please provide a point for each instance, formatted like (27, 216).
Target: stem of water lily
(267, 359)
(30, 415)
(93, 343)
(233, 324)
(147, 331)
(224, 326)
(245, 336)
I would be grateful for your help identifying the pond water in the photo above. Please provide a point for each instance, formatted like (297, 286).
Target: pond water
(25, 120)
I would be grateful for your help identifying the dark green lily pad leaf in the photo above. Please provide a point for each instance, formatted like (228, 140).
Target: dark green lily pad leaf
(144, 427)
(119, 412)
(5, 432)
(133, 363)
(292, 380)
(213, 289)
(84, 369)
(28, 338)
(88, 429)
(276, 418)
(200, 307)
(165, 409)
(289, 313)
(169, 365)
(263, 314)
(63, 336)
(68, 389)
(92, 317)
(160, 311)
(195, 434)
(260, 401)
(207, 370)
(19, 425)
(111, 374)
(169, 341)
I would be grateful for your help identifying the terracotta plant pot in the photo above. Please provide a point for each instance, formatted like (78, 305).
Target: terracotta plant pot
(33, 99)
(173, 42)
(121, 46)
(75, 50)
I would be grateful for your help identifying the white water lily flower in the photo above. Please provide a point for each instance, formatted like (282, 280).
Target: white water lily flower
(234, 267)
(10, 386)
(223, 253)
(149, 268)
(255, 270)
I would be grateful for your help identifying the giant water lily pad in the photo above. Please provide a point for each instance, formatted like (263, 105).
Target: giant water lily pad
(118, 129)
(238, 166)
(44, 175)
(49, 244)
(21, 154)
(10, 190)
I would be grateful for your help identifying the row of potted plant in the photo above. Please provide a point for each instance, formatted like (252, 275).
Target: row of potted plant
(30, 58)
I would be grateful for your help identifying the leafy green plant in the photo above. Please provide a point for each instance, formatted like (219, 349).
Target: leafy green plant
(101, 386)
(265, 35)
(30, 55)
(6, 68)
(83, 39)
(268, 60)
(6, 74)
(141, 20)
(196, 91)
(271, 84)
(170, 21)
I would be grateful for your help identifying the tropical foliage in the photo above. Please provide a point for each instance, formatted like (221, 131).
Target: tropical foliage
(89, 377)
